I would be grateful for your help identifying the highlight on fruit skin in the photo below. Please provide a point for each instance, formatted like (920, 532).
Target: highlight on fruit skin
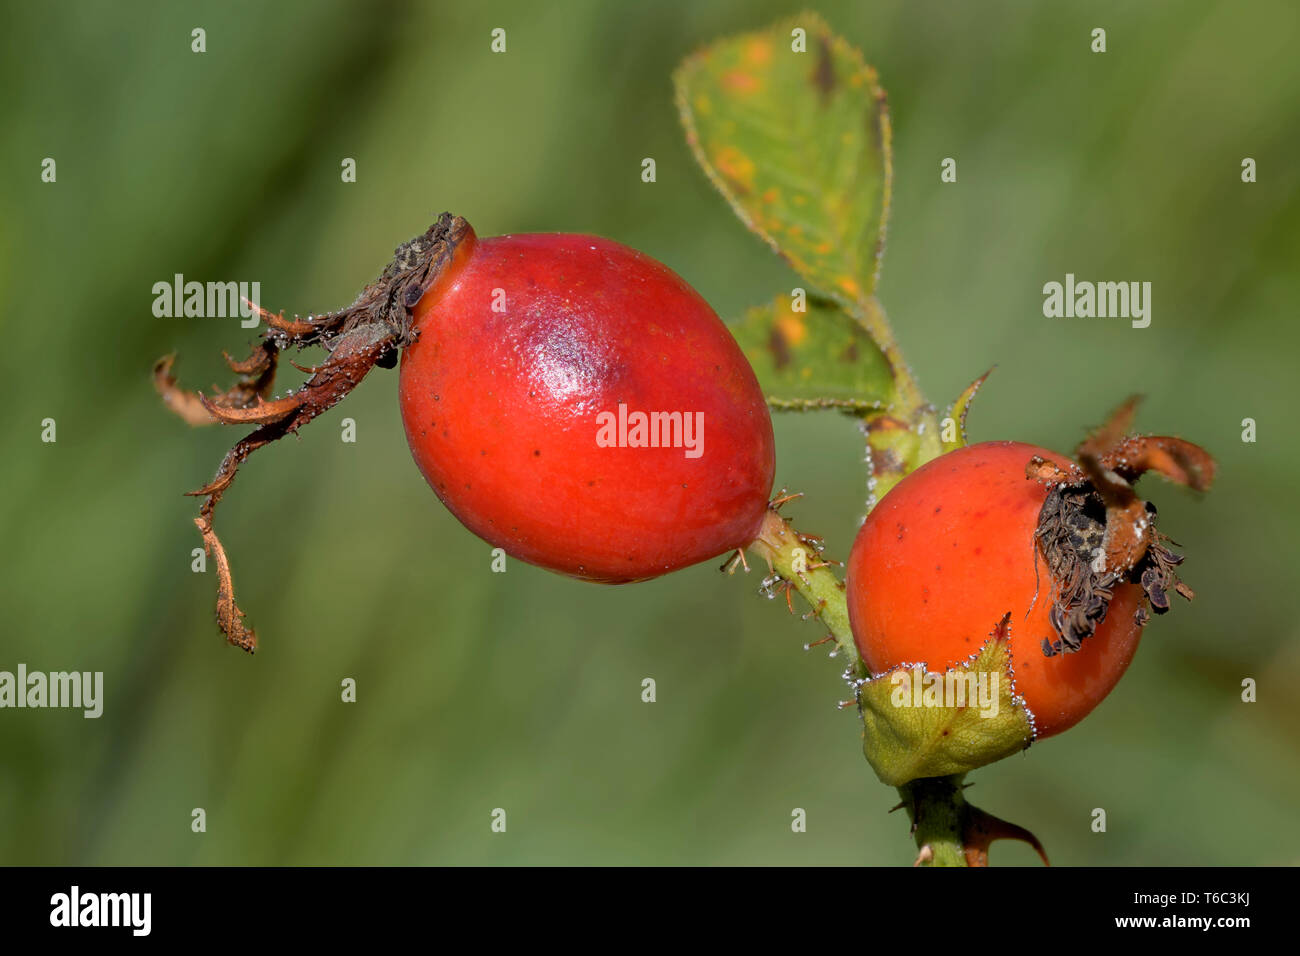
(515, 351)
(1067, 548)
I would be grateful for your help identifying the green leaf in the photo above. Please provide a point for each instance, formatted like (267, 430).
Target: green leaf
(820, 358)
(907, 736)
(799, 144)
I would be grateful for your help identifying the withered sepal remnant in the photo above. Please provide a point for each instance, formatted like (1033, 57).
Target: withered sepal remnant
(368, 333)
(1095, 533)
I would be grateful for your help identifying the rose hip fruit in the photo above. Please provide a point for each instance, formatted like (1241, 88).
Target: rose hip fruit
(577, 404)
(571, 400)
(972, 535)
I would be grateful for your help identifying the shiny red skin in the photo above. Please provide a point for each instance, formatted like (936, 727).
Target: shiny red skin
(950, 550)
(500, 408)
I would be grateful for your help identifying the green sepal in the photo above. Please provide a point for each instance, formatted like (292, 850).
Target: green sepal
(905, 739)
(953, 425)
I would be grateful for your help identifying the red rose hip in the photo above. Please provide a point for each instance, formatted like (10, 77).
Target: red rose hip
(966, 539)
(577, 404)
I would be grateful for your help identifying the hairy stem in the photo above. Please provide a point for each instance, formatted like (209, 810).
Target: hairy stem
(906, 435)
(871, 315)
(899, 440)
(798, 561)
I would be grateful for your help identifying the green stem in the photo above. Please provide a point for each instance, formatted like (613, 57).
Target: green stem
(900, 440)
(938, 813)
(796, 559)
(906, 435)
(871, 315)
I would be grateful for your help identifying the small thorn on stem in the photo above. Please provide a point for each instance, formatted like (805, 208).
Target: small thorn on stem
(729, 565)
(981, 828)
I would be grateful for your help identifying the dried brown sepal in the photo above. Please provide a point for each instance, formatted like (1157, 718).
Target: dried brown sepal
(1108, 435)
(1180, 461)
(184, 403)
(229, 617)
(1094, 531)
(256, 377)
(979, 829)
(368, 333)
(277, 321)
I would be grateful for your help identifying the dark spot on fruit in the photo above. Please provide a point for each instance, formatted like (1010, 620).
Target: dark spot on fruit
(537, 453)
(938, 508)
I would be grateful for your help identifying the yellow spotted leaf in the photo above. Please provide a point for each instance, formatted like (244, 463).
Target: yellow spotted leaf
(792, 126)
(813, 357)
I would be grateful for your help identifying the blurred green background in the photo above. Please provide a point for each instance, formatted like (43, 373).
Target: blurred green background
(522, 691)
